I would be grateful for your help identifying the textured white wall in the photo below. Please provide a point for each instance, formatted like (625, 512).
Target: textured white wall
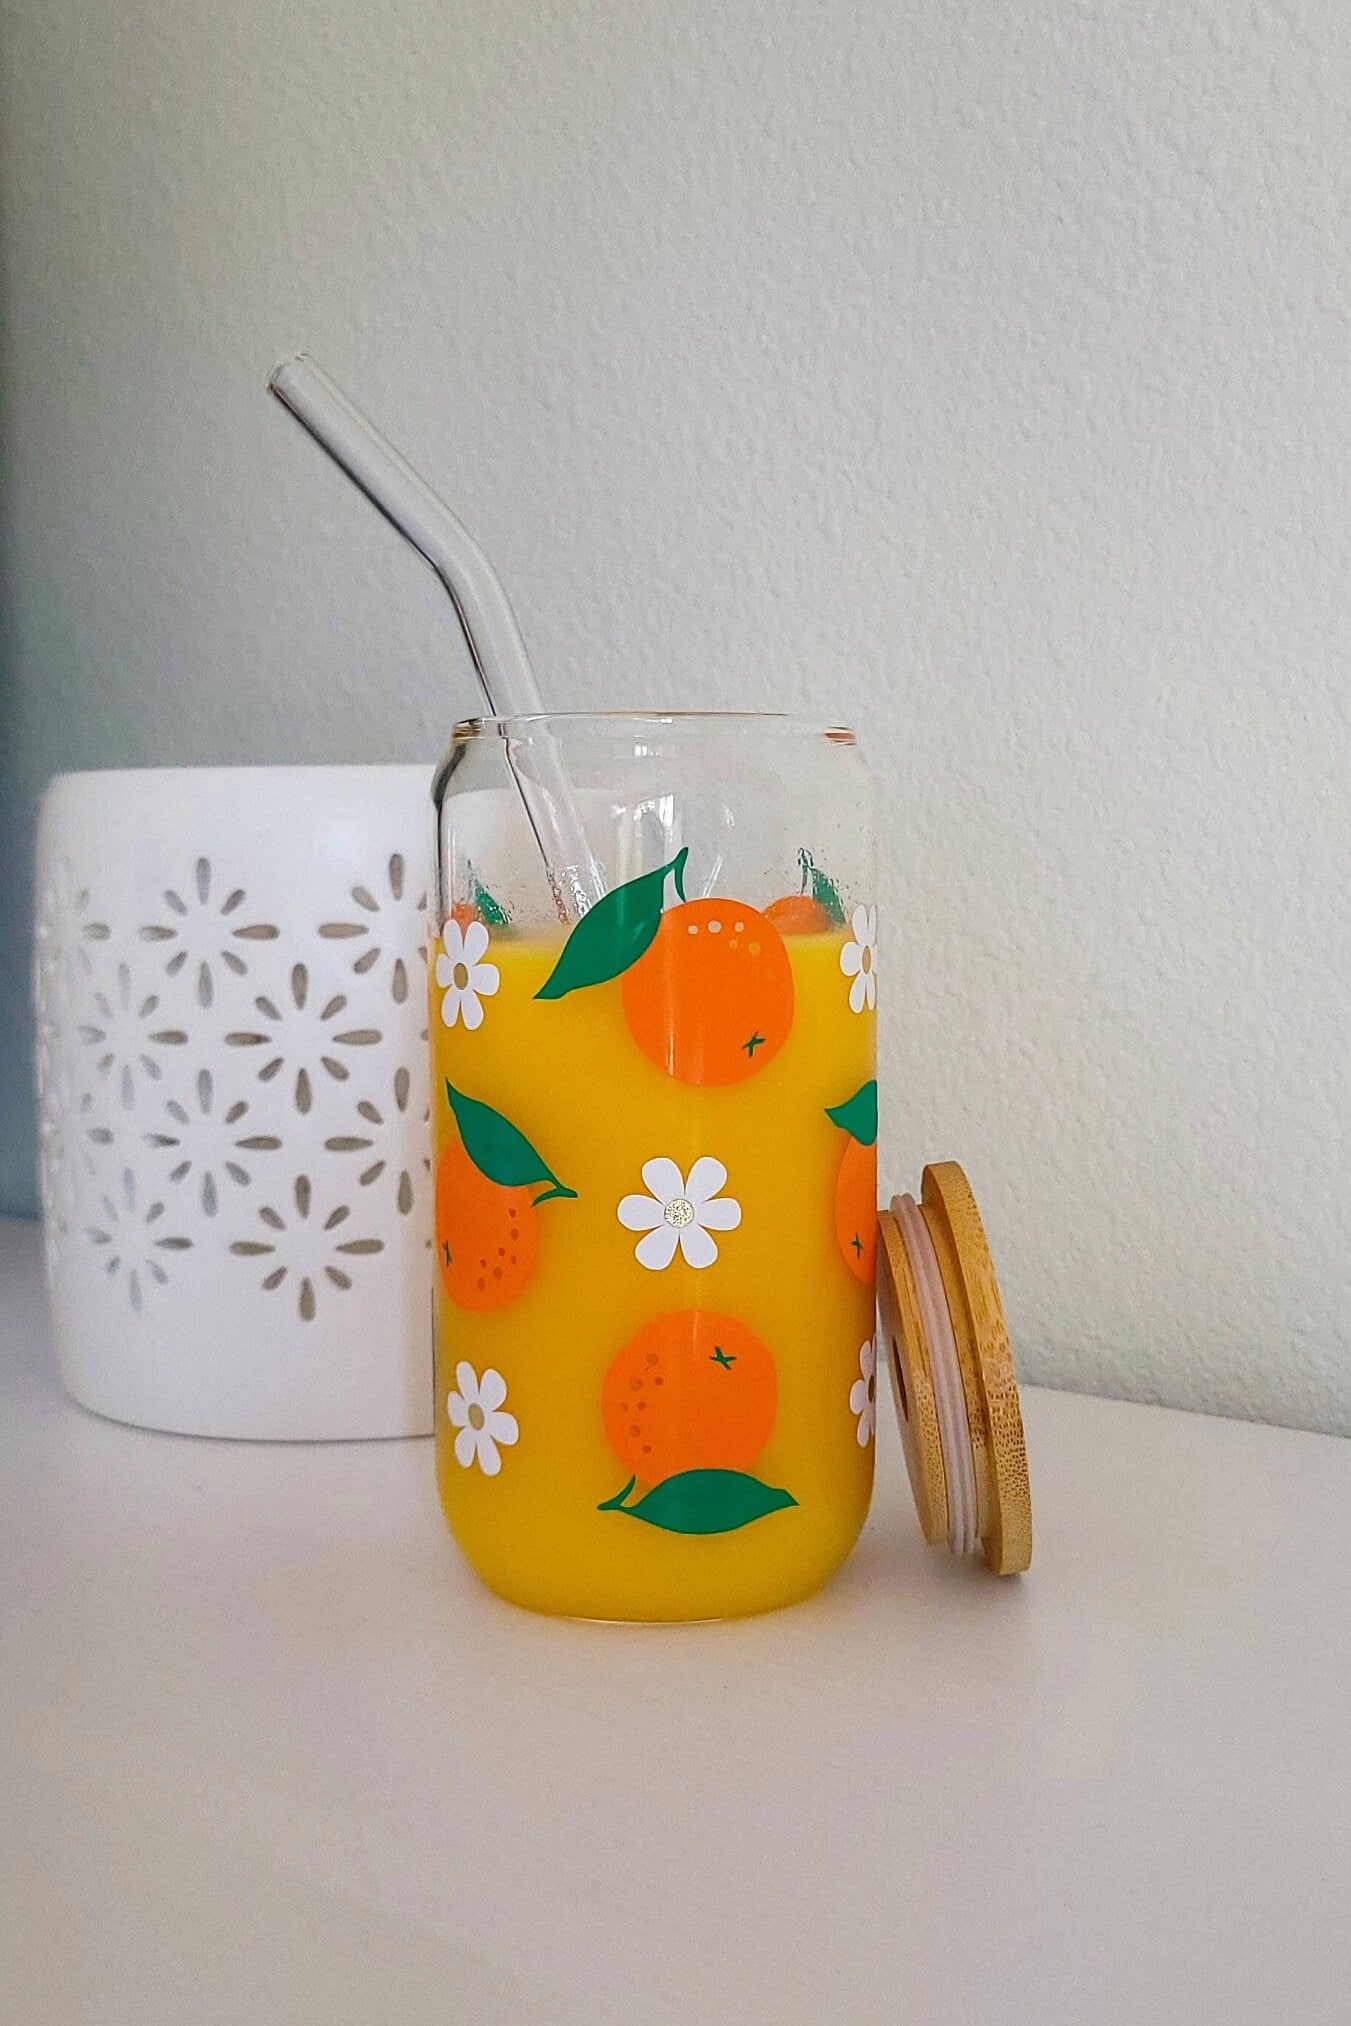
(975, 372)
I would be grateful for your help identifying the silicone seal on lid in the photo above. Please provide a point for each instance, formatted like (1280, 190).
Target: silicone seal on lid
(956, 1394)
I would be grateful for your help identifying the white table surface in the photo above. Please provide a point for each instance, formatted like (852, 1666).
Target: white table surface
(269, 1754)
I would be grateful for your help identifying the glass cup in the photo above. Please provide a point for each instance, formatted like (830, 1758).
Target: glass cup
(655, 1142)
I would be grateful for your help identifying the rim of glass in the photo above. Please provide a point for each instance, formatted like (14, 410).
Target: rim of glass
(522, 723)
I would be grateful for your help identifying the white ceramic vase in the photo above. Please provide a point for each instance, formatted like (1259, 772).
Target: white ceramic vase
(230, 985)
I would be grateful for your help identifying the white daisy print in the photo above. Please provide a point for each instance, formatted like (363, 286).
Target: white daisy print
(680, 1211)
(863, 1393)
(858, 959)
(475, 1409)
(463, 976)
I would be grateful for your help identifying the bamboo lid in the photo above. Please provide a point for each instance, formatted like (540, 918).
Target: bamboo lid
(956, 1394)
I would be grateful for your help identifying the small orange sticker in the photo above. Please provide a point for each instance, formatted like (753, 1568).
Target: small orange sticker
(710, 1001)
(856, 1208)
(798, 914)
(486, 1235)
(692, 1391)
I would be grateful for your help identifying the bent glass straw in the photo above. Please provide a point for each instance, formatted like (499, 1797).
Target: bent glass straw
(481, 606)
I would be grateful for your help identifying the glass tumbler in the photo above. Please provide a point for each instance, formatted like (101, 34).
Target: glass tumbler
(655, 1141)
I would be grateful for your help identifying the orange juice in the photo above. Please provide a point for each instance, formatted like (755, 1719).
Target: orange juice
(656, 1190)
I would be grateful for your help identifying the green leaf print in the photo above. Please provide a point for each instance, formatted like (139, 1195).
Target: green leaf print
(499, 1149)
(821, 887)
(702, 1502)
(858, 1114)
(489, 910)
(613, 934)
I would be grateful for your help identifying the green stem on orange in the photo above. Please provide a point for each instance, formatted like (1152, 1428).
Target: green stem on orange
(617, 1504)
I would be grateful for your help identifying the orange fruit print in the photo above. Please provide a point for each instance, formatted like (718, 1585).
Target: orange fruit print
(692, 1391)
(710, 1001)
(798, 914)
(856, 1208)
(486, 1235)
